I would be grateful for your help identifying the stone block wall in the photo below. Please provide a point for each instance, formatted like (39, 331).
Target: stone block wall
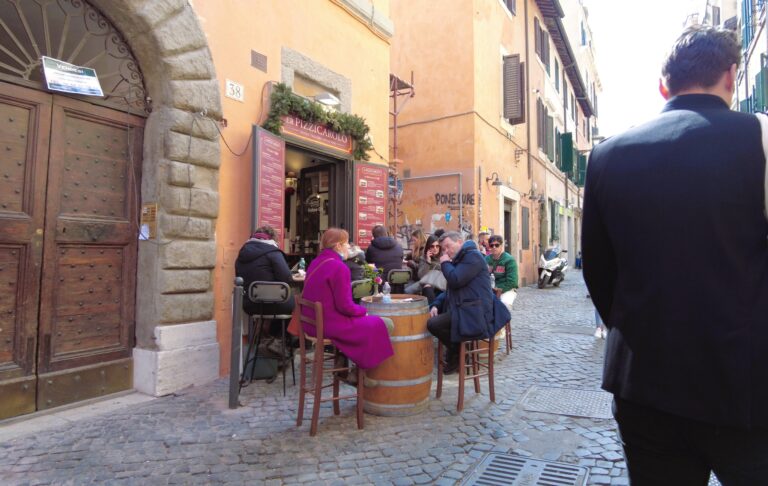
(175, 334)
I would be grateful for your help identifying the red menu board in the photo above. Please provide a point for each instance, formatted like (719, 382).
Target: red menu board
(269, 182)
(370, 200)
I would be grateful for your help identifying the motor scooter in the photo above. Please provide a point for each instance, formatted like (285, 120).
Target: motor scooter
(552, 267)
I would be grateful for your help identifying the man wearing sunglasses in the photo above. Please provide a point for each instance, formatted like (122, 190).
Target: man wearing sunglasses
(504, 269)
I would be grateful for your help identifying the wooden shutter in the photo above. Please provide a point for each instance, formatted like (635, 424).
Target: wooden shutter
(558, 150)
(514, 89)
(567, 147)
(582, 172)
(539, 128)
(537, 36)
(550, 140)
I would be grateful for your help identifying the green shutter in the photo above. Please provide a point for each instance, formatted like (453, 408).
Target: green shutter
(582, 173)
(759, 93)
(568, 154)
(744, 106)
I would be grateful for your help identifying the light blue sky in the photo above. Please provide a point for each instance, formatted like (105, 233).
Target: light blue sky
(631, 38)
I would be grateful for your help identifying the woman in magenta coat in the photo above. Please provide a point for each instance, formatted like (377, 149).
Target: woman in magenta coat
(362, 338)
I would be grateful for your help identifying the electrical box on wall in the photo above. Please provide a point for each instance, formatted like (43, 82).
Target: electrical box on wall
(148, 225)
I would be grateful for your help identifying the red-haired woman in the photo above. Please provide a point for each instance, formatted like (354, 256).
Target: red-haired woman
(362, 338)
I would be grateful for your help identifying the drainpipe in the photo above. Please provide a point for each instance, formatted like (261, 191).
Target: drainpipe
(528, 89)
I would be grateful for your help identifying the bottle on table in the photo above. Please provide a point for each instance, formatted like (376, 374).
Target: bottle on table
(386, 293)
(302, 266)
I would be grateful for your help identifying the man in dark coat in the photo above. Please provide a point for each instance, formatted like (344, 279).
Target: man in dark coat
(676, 262)
(384, 251)
(468, 297)
(261, 260)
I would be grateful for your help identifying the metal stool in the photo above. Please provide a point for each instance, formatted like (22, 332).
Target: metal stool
(266, 293)
(397, 278)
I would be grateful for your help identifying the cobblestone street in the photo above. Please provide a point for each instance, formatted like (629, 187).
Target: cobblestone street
(193, 438)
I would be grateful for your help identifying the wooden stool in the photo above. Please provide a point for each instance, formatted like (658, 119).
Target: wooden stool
(508, 337)
(319, 359)
(507, 326)
(469, 357)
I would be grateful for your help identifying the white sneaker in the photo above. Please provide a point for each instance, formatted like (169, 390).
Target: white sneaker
(598, 333)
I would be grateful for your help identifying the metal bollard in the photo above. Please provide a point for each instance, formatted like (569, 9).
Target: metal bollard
(237, 340)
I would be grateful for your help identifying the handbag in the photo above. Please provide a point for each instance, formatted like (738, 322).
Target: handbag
(435, 278)
(763, 119)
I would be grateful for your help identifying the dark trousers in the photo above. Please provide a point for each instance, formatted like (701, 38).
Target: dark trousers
(663, 449)
(440, 327)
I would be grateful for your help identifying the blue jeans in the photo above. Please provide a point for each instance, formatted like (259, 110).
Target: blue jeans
(663, 449)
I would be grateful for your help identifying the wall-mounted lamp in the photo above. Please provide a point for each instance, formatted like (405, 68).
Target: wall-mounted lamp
(291, 182)
(327, 99)
(495, 178)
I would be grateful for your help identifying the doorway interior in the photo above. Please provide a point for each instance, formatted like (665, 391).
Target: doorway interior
(315, 199)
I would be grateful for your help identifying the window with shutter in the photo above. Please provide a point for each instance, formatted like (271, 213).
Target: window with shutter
(566, 146)
(582, 172)
(557, 76)
(558, 150)
(550, 140)
(537, 36)
(511, 6)
(514, 89)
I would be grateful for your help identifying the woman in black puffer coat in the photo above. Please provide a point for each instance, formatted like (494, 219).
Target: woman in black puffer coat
(261, 260)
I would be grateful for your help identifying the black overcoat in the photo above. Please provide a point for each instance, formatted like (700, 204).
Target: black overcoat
(676, 260)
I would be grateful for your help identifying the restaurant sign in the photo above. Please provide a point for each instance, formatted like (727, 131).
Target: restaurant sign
(268, 182)
(370, 201)
(316, 134)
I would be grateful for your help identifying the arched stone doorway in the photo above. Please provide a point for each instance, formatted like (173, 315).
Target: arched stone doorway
(163, 334)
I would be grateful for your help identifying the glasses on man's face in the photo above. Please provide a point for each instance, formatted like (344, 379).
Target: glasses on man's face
(495, 245)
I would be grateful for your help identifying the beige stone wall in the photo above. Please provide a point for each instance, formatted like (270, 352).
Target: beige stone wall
(180, 174)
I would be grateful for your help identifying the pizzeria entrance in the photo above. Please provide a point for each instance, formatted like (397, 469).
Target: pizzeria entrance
(316, 198)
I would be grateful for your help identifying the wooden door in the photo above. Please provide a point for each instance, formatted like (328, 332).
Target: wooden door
(25, 119)
(87, 294)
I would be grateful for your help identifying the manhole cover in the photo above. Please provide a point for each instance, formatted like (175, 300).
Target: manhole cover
(568, 401)
(497, 469)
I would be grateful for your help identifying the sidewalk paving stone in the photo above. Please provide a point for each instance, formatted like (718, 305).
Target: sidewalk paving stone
(191, 437)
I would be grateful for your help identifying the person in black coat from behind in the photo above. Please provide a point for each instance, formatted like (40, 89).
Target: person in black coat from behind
(384, 251)
(261, 260)
(685, 356)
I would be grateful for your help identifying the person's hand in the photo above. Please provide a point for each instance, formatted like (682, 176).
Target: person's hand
(445, 258)
(433, 312)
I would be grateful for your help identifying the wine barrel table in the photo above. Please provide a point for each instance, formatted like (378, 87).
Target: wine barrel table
(400, 385)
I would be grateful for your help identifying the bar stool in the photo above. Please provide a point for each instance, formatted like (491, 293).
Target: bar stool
(508, 336)
(266, 293)
(470, 354)
(397, 278)
(318, 360)
(507, 326)
(361, 288)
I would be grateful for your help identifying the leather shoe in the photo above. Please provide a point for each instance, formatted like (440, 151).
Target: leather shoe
(451, 367)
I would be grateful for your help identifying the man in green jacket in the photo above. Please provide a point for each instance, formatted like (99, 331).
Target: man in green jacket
(504, 269)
